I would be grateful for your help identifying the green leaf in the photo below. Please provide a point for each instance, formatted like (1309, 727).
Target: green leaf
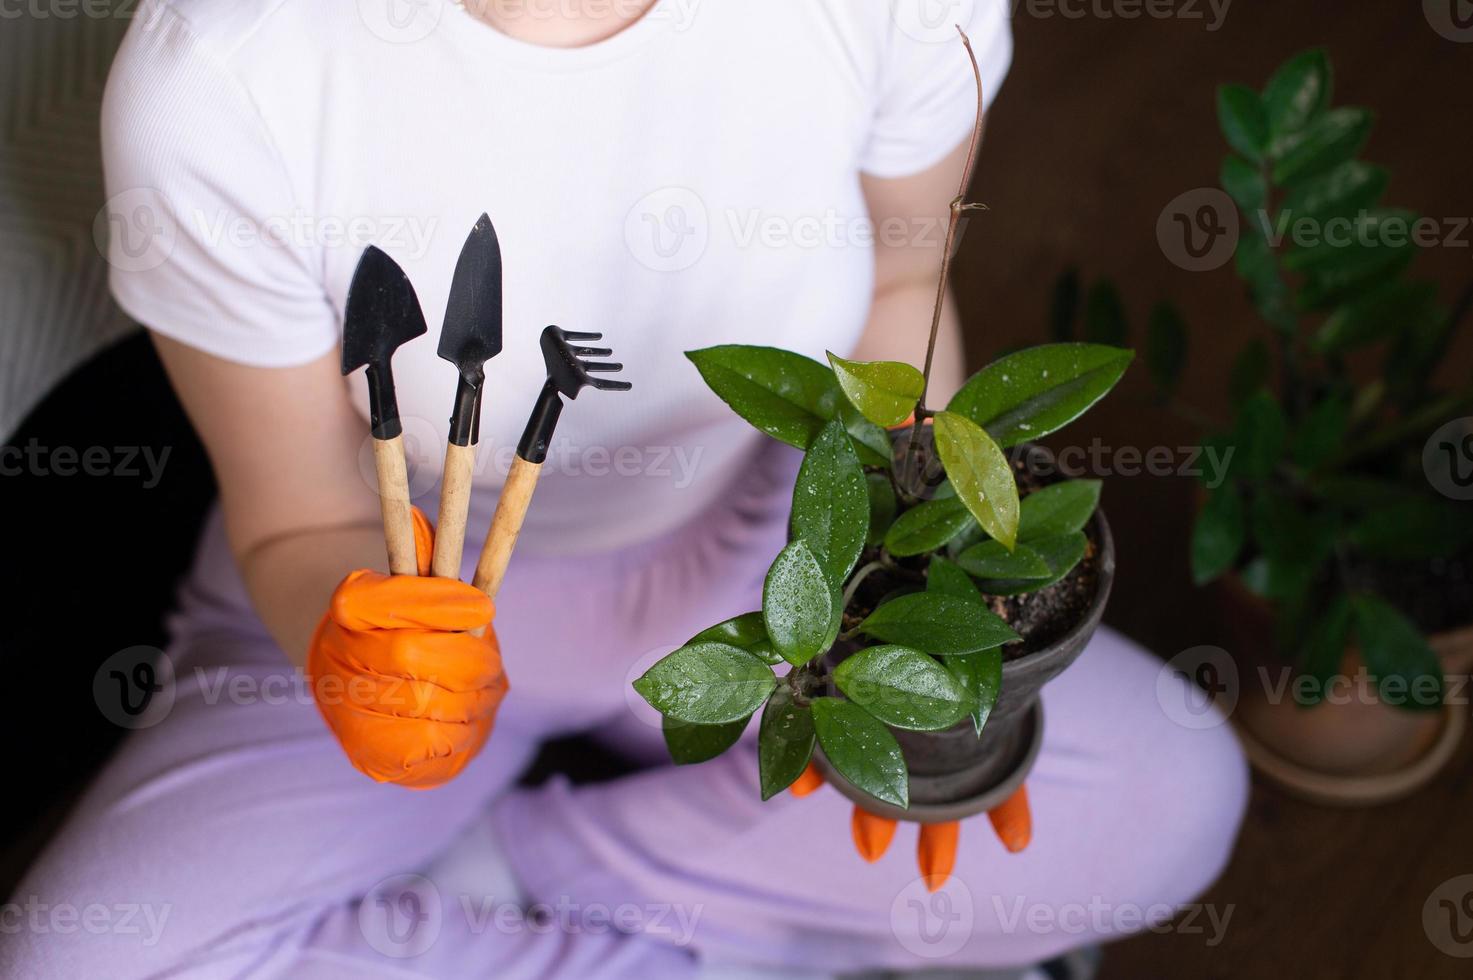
(1322, 433)
(1058, 509)
(1060, 553)
(1368, 241)
(1366, 268)
(746, 632)
(1417, 352)
(871, 443)
(938, 623)
(1241, 117)
(1298, 92)
(927, 526)
(1380, 313)
(799, 606)
(707, 684)
(1416, 526)
(1293, 542)
(1258, 267)
(784, 742)
(1249, 371)
(1037, 391)
(1244, 183)
(980, 474)
(1064, 308)
(1104, 315)
(1327, 142)
(691, 744)
(1395, 650)
(1325, 648)
(990, 560)
(1218, 534)
(1260, 436)
(779, 392)
(862, 749)
(885, 392)
(980, 675)
(1341, 192)
(904, 688)
(947, 578)
(831, 503)
(882, 506)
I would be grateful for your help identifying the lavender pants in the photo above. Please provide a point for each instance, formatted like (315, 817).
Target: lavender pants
(233, 839)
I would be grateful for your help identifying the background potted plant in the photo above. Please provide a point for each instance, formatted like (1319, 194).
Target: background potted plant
(930, 587)
(1335, 547)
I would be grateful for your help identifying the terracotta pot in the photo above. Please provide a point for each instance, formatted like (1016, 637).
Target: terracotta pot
(1352, 749)
(954, 773)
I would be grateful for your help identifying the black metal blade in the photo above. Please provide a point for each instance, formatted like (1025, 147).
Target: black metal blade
(382, 312)
(471, 334)
(381, 315)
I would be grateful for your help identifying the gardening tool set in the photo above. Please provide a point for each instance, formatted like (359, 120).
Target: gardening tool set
(383, 314)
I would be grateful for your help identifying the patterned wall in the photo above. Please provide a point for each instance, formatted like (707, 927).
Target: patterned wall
(54, 306)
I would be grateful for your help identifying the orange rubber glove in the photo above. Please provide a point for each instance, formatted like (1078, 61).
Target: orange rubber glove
(936, 849)
(410, 694)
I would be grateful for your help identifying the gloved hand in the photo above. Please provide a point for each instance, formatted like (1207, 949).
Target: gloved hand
(936, 850)
(409, 692)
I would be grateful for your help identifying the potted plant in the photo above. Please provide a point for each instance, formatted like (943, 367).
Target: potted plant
(1336, 533)
(930, 586)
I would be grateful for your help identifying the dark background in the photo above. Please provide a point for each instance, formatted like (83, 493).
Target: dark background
(1103, 121)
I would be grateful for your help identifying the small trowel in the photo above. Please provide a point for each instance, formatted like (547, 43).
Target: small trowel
(470, 337)
(383, 314)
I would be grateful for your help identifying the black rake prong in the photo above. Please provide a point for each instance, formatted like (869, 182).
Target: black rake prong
(609, 384)
(567, 374)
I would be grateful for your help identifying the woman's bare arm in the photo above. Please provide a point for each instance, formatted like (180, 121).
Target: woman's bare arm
(909, 216)
(284, 445)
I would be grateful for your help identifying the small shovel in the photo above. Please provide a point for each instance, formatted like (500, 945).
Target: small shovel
(383, 314)
(566, 375)
(470, 337)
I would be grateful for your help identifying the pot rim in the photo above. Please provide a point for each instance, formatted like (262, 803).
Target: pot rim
(988, 799)
(1090, 621)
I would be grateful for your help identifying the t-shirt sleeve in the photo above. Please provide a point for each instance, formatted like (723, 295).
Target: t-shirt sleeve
(927, 98)
(200, 207)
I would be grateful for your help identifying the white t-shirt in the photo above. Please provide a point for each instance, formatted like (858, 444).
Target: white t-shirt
(693, 180)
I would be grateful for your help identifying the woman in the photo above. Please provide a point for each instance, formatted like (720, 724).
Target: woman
(675, 175)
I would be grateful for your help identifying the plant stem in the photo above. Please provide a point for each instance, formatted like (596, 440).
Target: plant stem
(1408, 425)
(958, 205)
(857, 579)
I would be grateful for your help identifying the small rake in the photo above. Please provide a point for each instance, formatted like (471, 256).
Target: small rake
(567, 375)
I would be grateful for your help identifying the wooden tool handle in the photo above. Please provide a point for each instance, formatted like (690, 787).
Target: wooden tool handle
(511, 508)
(393, 496)
(455, 503)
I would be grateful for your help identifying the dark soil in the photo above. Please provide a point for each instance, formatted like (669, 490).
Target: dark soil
(1041, 617)
(1436, 593)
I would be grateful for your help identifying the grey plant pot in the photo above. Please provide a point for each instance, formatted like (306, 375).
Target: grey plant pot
(954, 773)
